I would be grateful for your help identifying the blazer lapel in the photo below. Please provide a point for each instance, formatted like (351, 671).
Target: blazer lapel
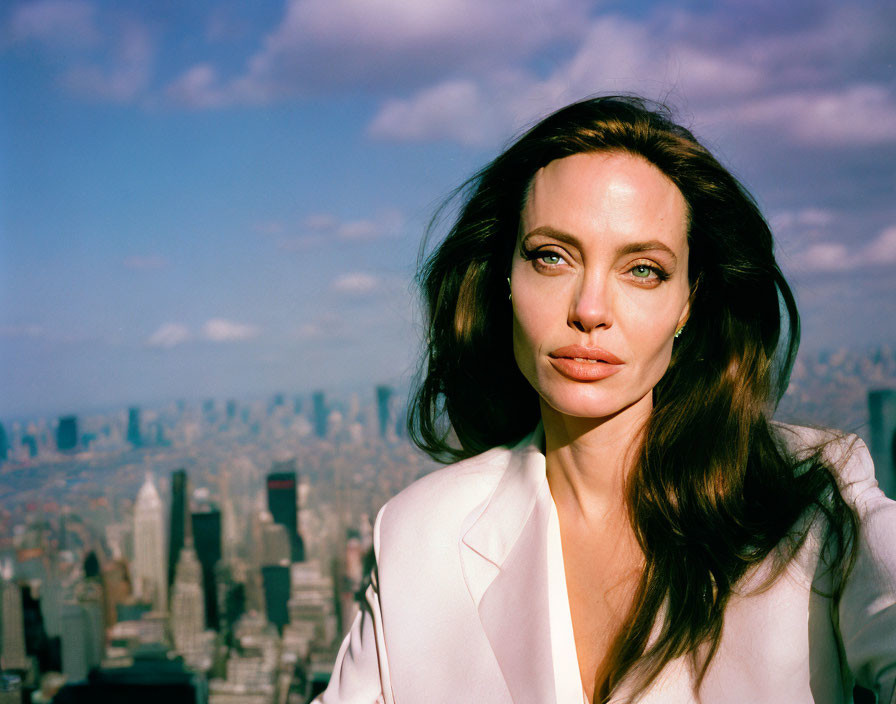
(504, 554)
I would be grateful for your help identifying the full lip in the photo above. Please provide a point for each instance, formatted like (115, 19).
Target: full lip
(584, 364)
(580, 352)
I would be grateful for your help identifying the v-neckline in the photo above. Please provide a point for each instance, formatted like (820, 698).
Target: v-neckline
(567, 677)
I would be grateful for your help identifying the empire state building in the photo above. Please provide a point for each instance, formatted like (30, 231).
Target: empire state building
(150, 573)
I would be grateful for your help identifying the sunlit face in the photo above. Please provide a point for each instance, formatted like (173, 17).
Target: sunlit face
(599, 282)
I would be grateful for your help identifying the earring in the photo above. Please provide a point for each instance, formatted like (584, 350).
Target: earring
(509, 295)
(678, 332)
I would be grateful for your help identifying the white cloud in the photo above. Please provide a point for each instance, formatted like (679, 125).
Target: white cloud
(169, 335)
(55, 23)
(149, 262)
(882, 249)
(750, 81)
(300, 243)
(214, 330)
(375, 45)
(321, 222)
(834, 256)
(356, 284)
(319, 228)
(853, 115)
(789, 220)
(326, 325)
(454, 110)
(121, 77)
(19, 331)
(221, 330)
(197, 87)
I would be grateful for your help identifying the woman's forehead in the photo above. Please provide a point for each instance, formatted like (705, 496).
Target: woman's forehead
(607, 194)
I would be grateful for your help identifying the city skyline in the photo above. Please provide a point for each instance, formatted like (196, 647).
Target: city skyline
(224, 201)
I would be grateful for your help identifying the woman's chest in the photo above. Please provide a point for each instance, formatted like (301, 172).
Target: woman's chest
(601, 574)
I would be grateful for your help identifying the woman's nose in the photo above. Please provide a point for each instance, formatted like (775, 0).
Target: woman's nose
(590, 308)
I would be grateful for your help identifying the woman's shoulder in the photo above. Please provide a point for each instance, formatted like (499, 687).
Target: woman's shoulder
(444, 498)
(845, 453)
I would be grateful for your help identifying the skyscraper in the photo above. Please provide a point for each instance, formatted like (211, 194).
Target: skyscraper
(207, 542)
(275, 579)
(12, 622)
(188, 603)
(67, 433)
(319, 404)
(150, 573)
(176, 520)
(283, 504)
(134, 426)
(383, 395)
(882, 412)
(4, 444)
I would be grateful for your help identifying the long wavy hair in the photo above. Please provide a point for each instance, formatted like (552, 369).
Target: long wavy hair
(713, 492)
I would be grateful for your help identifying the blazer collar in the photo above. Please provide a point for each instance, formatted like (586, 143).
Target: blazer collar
(504, 555)
(498, 527)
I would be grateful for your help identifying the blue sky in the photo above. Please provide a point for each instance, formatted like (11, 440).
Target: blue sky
(225, 198)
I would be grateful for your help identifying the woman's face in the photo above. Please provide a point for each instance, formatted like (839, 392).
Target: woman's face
(599, 282)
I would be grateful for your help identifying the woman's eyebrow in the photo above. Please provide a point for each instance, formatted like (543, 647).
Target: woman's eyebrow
(630, 248)
(548, 231)
(649, 246)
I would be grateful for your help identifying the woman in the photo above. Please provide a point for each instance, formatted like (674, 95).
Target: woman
(626, 523)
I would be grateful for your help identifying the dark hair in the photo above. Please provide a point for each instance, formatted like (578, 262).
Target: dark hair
(713, 491)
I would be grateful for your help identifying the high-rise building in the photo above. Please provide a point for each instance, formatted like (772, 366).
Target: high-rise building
(882, 412)
(82, 633)
(116, 588)
(67, 433)
(319, 405)
(352, 578)
(207, 542)
(231, 599)
(12, 622)
(276, 548)
(275, 579)
(283, 504)
(91, 565)
(133, 434)
(177, 518)
(83, 627)
(4, 444)
(312, 610)
(30, 441)
(383, 395)
(150, 569)
(188, 603)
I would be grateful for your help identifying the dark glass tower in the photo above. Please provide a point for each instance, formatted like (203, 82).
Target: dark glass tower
(178, 516)
(882, 413)
(134, 426)
(67, 433)
(207, 541)
(283, 504)
(383, 395)
(320, 413)
(275, 579)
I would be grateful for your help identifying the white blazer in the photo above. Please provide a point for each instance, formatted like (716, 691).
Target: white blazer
(458, 609)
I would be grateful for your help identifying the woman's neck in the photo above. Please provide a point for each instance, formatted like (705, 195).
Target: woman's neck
(588, 460)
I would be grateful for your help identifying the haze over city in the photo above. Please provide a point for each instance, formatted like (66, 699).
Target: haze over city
(220, 199)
